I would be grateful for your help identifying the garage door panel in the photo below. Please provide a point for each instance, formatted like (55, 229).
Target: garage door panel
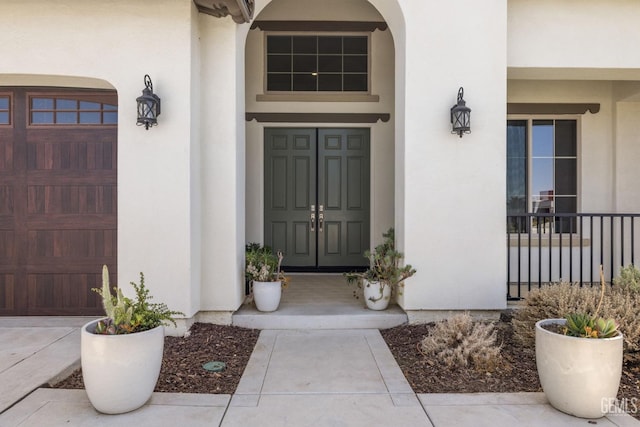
(7, 294)
(7, 226)
(7, 246)
(58, 201)
(72, 199)
(6, 200)
(73, 177)
(65, 222)
(86, 266)
(6, 150)
(70, 291)
(6, 155)
(73, 245)
(64, 155)
(67, 134)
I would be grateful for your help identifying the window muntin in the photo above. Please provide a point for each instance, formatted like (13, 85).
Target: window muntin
(336, 63)
(5, 109)
(48, 110)
(542, 169)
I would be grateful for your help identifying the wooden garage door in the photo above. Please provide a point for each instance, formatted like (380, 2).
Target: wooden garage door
(58, 211)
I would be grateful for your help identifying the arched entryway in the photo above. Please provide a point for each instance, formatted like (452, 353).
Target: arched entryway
(318, 67)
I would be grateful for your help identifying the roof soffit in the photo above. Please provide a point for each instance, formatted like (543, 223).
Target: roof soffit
(241, 11)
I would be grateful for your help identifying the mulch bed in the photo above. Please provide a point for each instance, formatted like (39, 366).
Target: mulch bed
(182, 370)
(516, 372)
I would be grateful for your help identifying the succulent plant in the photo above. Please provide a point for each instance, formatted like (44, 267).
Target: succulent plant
(124, 315)
(591, 326)
(585, 326)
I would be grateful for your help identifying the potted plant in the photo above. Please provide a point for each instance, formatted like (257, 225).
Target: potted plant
(121, 354)
(385, 277)
(579, 361)
(265, 276)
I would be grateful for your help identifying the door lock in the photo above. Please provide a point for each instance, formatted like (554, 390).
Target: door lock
(313, 218)
(321, 218)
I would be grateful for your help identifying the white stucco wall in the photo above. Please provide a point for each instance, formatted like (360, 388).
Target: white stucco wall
(195, 164)
(581, 35)
(454, 201)
(627, 157)
(222, 162)
(118, 42)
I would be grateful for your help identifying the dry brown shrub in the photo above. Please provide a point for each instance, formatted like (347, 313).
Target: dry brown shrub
(550, 302)
(557, 300)
(623, 305)
(460, 342)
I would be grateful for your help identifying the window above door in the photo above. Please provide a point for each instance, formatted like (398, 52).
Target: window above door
(317, 63)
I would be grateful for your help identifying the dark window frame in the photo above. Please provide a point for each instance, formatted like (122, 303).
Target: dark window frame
(526, 203)
(310, 75)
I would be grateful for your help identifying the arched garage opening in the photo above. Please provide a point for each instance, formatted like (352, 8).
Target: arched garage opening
(58, 193)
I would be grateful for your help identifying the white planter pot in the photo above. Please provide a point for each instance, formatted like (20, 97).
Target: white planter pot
(376, 296)
(579, 376)
(267, 295)
(120, 371)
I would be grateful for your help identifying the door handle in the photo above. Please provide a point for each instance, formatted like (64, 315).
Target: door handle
(321, 219)
(313, 218)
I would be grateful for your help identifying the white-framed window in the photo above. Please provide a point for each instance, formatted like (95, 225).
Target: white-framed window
(324, 63)
(542, 171)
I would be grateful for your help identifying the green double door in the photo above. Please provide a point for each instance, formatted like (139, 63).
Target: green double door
(316, 189)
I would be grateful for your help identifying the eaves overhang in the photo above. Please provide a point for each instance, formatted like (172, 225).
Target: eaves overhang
(241, 11)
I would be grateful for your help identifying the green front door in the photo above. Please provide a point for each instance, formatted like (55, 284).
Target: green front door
(317, 196)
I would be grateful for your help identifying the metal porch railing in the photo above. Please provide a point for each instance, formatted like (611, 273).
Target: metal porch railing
(552, 247)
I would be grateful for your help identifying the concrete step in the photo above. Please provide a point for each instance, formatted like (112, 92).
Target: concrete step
(319, 317)
(319, 301)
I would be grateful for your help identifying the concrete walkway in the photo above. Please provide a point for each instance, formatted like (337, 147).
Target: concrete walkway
(294, 378)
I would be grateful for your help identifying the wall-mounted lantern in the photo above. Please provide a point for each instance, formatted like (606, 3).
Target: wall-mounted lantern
(148, 105)
(460, 116)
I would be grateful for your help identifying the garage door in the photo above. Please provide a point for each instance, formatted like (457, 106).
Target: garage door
(58, 199)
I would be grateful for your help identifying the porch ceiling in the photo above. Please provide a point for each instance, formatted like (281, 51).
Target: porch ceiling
(240, 10)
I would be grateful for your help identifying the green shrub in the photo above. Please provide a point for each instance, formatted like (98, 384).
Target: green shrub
(460, 342)
(629, 278)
